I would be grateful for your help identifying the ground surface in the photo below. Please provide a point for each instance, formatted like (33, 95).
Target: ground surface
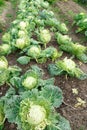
(76, 116)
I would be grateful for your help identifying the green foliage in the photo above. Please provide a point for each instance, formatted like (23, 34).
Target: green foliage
(7, 72)
(6, 37)
(51, 1)
(79, 51)
(34, 51)
(35, 109)
(80, 21)
(44, 36)
(2, 114)
(49, 52)
(31, 79)
(23, 60)
(3, 63)
(62, 39)
(5, 49)
(2, 2)
(67, 66)
(76, 49)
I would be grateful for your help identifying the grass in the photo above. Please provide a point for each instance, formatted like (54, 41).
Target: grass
(2, 2)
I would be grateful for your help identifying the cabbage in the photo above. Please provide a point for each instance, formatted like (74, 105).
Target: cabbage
(5, 49)
(29, 82)
(44, 36)
(6, 37)
(33, 114)
(35, 109)
(30, 79)
(51, 52)
(63, 39)
(6, 73)
(62, 28)
(4, 76)
(34, 51)
(67, 66)
(71, 68)
(79, 51)
(23, 42)
(23, 25)
(22, 33)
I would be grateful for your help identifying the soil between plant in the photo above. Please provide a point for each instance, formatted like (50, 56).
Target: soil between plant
(76, 116)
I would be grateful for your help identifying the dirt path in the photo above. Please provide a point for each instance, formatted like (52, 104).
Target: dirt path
(6, 17)
(69, 8)
(77, 117)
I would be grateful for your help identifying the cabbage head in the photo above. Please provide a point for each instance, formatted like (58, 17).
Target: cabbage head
(23, 25)
(33, 115)
(30, 80)
(6, 37)
(5, 49)
(44, 36)
(62, 28)
(22, 43)
(34, 51)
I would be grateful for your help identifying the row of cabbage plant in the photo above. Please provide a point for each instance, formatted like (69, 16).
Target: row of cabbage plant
(80, 20)
(31, 103)
(31, 32)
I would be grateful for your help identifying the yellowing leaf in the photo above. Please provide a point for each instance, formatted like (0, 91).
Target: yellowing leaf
(75, 91)
(80, 103)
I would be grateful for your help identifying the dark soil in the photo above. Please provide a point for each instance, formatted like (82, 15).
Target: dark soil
(76, 116)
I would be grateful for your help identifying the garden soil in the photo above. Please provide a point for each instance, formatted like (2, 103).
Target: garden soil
(76, 116)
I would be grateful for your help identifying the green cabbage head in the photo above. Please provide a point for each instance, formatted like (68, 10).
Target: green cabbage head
(23, 42)
(33, 115)
(5, 49)
(29, 82)
(45, 36)
(34, 51)
(6, 37)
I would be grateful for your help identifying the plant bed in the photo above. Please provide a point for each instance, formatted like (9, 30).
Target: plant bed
(76, 115)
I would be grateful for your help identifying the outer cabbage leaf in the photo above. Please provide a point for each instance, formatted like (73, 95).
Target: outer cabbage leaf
(14, 71)
(23, 60)
(53, 94)
(4, 76)
(61, 124)
(54, 70)
(3, 63)
(20, 109)
(2, 114)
